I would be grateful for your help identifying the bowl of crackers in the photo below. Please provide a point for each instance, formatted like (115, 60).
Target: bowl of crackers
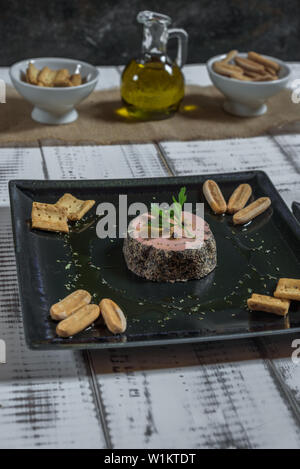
(54, 86)
(247, 80)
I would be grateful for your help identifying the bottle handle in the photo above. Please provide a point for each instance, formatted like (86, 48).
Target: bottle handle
(182, 36)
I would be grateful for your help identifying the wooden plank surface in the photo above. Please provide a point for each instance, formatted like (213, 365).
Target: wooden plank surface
(285, 370)
(102, 162)
(46, 398)
(18, 163)
(290, 145)
(259, 153)
(208, 395)
(214, 395)
(234, 395)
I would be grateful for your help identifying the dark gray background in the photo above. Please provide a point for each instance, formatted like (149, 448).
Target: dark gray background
(106, 33)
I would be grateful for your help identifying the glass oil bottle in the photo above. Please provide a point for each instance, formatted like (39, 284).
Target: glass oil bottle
(152, 86)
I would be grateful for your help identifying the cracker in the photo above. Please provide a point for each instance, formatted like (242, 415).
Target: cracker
(47, 76)
(288, 288)
(74, 207)
(76, 79)
(32, 74)
(48, 217)
(62, 78)
(268, 304)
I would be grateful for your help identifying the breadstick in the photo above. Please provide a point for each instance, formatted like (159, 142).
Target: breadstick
(265, 77)
(249, 65)
(230, 67)
(251, 74)
(263, 60)
(231, 55)
(239, 198)
(271, 70)
(222, 69)
(70, 304)
(214, 196)
(113, 316)
(251, 211)
(78, 321)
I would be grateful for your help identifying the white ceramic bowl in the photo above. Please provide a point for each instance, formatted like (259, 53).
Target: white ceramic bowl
(247, 98)
(54, 105)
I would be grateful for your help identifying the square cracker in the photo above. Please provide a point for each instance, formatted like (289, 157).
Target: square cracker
(62, 78)
(268, 304)
(76, 79)
(288, 288)
(48, 217)
(32, 74)
(46, 77)
(74, 207)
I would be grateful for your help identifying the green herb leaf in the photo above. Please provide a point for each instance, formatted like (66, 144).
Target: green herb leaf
(182, 196)
(177, 211)
(175, 214)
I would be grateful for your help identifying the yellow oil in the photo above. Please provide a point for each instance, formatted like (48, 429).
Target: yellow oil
(152, 90)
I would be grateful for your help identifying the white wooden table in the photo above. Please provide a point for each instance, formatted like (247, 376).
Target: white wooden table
(239, 394)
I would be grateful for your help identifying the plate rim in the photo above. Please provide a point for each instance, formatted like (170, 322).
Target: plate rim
(27, 184)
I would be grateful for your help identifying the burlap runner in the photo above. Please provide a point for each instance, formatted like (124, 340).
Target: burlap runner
(201, 117)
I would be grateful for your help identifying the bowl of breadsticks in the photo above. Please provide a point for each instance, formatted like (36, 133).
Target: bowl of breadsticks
(54, 86)
(247, 80)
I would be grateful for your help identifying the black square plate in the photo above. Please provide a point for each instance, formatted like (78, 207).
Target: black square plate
(250, 258)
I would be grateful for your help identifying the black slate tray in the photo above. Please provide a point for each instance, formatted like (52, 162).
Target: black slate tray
(250, 258)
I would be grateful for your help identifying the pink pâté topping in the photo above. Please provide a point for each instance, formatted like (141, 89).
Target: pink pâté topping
(192, 236)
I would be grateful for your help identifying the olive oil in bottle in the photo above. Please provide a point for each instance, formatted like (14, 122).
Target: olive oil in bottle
(153, 86)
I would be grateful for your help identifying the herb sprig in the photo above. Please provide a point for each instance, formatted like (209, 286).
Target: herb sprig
(173, 215)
